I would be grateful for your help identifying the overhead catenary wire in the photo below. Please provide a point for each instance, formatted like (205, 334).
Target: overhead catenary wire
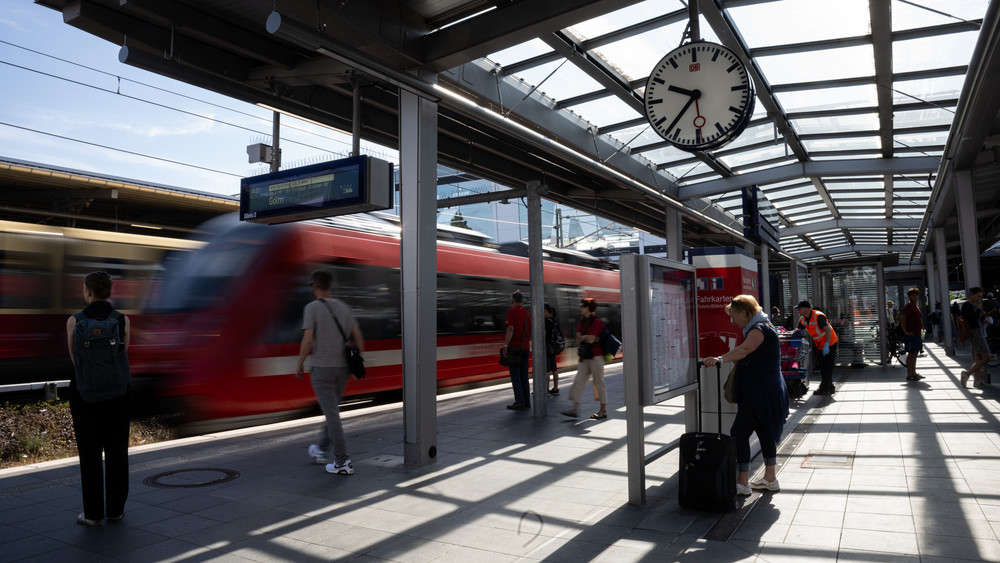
(120, 79)
(157, 104)
(120, 150)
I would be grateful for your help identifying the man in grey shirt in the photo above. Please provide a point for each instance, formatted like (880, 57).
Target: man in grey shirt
(325, 327)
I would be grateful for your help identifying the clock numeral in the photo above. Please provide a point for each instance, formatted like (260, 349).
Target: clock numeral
(656, 101)
(739, 87)
(716, 55)
(734, 67)
(734, 110)
(718, 127)
(659, 121)
(676, 134)
(673, 63)
(658, 80)
(694, 55)
(697, 135)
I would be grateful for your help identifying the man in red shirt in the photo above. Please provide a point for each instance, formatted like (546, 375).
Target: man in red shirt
(518, 341)
(912, 324)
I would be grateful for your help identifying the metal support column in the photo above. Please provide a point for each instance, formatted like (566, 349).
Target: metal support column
(932, 287)
(883, 326)
(941, 253)
(675, 251)
(418, 246)
(537, 283)
(764, 284)
(275, 148)
(793, 288)
(965, 205)
(356, 116)
(635, 431)
(674, 240)
(816, 299)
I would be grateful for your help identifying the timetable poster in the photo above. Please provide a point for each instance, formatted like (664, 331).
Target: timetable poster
(672, 316)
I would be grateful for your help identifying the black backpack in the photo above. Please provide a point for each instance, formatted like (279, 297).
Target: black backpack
(558, 343)
(101, 363)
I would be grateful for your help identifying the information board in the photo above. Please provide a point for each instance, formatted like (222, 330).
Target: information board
(660, 325)
(340, 187)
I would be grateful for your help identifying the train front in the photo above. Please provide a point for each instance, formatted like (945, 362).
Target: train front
(203, 330)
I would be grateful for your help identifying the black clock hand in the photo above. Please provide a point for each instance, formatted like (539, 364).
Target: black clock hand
(681, 113)
(694, 94)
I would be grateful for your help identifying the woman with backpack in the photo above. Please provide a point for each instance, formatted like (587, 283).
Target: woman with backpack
(98, 339)
(555, 343)
(588, 333)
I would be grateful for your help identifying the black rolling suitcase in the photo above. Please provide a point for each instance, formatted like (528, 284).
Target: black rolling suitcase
(708, 465)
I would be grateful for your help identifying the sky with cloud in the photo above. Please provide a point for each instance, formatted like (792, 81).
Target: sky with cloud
(68, 102)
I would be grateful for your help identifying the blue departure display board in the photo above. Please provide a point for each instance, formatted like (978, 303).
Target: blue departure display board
(340, 187)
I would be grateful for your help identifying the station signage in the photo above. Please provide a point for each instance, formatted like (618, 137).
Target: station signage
(340, 187)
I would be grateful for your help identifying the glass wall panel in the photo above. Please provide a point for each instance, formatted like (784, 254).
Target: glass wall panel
(850, 301)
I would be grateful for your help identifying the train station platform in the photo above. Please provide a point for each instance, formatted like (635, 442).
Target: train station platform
(885, 470)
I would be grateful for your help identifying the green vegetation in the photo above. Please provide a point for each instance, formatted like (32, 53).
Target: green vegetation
(43, 431)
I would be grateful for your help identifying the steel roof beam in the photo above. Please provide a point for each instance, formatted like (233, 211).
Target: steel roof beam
(915, 106)
(597, 42)
(849, 167)
(843, 224)
(854, 248)
(612, 81)
(866, 80)
(156, 40)
(212, 30)
(724, 27)
(841, 42)
(504, 27)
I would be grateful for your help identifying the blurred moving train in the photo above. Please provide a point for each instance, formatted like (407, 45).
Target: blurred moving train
(220, 326)
(41, 283)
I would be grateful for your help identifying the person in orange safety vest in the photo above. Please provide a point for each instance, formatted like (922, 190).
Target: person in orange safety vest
(824, 340)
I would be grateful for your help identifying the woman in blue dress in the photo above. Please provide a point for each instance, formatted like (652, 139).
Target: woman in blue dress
(762, 398)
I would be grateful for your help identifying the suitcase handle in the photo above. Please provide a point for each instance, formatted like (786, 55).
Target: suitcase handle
(718, 373)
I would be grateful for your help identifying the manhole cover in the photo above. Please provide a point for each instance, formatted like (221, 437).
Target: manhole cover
(190, 478)
(824, 459)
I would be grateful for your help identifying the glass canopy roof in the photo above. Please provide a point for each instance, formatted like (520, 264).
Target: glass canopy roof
(818, 66)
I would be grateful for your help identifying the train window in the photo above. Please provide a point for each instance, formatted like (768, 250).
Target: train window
(132, 276)
(479, 305)
(286, 326)
(205, 279)
(449, 306)
(373, 293)
(25, 280)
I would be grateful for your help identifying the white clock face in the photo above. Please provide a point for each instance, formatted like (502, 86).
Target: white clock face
(699, 97)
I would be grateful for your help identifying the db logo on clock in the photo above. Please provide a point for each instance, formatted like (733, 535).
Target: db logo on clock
(694, 67)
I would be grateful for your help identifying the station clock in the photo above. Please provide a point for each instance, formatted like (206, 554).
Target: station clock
(699, 97)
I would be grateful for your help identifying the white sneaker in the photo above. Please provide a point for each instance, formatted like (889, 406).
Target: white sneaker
(965, 378)
(743, 490)
(318, 455)
(765, 485)
(82, 519)
(346, 468)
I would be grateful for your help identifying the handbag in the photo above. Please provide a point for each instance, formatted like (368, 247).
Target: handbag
(511, 358)
(729, 388)
(355, 363)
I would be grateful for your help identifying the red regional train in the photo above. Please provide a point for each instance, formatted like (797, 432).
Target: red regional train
(222, 334)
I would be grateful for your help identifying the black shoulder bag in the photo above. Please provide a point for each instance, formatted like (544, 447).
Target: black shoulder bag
(355, 363)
